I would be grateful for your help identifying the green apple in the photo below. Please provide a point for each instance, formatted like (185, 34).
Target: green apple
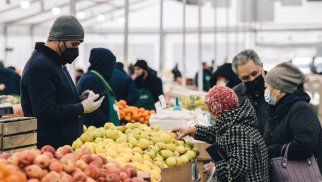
(91, 128)
(161, 145)
(180, 142)
(171, 161)
(156, 128)
(99, 140)
(185, 159)
(150, 153)
(190, 144)
(86, 137)
(108, 126)
(121, 128)
(180, 149)
(176, 154)
(159, 163)
(166, 138)
(112, 134)
(122, 138)
(179, 161)
(165, 154)
(129, 125)
(77, 144)
(143, 143)
(191, 154)
(158, 158)
(156, 139)
(138, 150)
(196, 151)
(156, 149)
(171, 146)
(132, 140)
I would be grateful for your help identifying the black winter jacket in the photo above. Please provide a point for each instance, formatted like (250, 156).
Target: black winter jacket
(102, 61)
(11, 80)
(123, 87)
(294, 122)
(49, 94)
(151, 83)
(258, 102)
(237, 136)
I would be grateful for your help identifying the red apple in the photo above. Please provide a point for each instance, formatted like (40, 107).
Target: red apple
(79, 176)
(4, 155)
(65, 177)
(49, 155)
(92, 171)
(27, 157)
(42, 161)
(114, 170)
(137, 179)
(33, 171)
(85, 150)
(33, 180)
(103, 159)
(56, 166)
(113, 177)
(51, 177)
(71, 156)
(69, 166)
(48, 148)
(87, 158)
(81, 164)
(124, 176)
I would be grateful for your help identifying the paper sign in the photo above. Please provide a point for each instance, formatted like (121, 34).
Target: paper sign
(162, 102)
(158, 107)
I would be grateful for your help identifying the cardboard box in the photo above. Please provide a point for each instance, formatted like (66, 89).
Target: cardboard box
(201, 146)
(17, 133)
(182, 173)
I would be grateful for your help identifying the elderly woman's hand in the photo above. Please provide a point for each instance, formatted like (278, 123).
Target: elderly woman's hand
(209, 168)
(182, 132)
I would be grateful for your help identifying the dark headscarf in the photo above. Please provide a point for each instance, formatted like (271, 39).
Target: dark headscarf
(102, 60)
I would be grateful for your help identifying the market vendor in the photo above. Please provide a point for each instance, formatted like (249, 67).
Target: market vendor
(99, 73)
(149, 85)
(48, 92)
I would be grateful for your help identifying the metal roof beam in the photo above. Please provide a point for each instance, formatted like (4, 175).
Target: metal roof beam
(16, 7)
(81, 9)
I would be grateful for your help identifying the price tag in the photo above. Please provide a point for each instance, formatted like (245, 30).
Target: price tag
(116, 108)
(158, 107)
(162, 102)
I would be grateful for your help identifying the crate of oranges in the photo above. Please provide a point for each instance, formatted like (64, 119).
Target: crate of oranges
(134, 114)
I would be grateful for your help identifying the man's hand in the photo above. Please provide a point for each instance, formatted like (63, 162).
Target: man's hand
(89, 104)
(209, 168)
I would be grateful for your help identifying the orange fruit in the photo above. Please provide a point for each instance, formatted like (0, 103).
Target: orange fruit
(4, 170)
(122, 102)
(127, 118)
(141, 120)
(152, 112)
(142, 109)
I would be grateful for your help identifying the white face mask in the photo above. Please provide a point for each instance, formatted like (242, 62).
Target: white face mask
(222, 83)
(271, 100)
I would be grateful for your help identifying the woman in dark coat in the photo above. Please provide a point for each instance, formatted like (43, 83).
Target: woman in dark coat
(236, 135)
(224, 75)
(292, 120)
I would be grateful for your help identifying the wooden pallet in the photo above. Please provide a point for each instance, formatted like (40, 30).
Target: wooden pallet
(17, 134)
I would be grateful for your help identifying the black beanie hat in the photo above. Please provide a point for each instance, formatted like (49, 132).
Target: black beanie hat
(141, 64)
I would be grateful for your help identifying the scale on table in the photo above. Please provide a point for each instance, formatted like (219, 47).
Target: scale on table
(5, 108)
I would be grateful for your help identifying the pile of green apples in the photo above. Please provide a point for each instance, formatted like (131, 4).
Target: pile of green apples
(148, 149)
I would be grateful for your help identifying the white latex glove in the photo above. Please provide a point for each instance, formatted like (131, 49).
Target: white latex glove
(89, 104)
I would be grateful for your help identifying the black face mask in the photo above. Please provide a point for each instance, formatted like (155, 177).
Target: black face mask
(69, 54)
(256, 85)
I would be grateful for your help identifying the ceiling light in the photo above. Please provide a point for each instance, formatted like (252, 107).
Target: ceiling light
(100, 17)
(55, 11)
(81, 15)
(24, 4)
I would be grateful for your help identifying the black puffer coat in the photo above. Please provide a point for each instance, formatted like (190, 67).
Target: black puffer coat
(237, 135)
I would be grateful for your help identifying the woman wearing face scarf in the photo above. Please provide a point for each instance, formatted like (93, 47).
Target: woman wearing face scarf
(224, 75)
(96, 79)
(293, 121)
(235, 133)
(47, 90)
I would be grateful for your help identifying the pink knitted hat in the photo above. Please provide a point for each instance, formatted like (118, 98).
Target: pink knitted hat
(221, 99)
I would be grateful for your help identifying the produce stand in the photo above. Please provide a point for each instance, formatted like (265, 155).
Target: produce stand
(202, 159)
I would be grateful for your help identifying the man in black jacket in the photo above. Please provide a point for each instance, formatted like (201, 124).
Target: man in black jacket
(9, 81)
(48, 92)
(249, 68)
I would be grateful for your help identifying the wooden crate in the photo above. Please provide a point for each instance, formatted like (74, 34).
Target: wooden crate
(17, 133)
(182, 173)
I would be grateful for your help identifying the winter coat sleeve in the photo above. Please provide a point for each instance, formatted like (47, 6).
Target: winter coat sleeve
(132, 92)
(206, 134)
(305, 129)
(42, 91)
(157, 89)
(97, 116)
(240, 154)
